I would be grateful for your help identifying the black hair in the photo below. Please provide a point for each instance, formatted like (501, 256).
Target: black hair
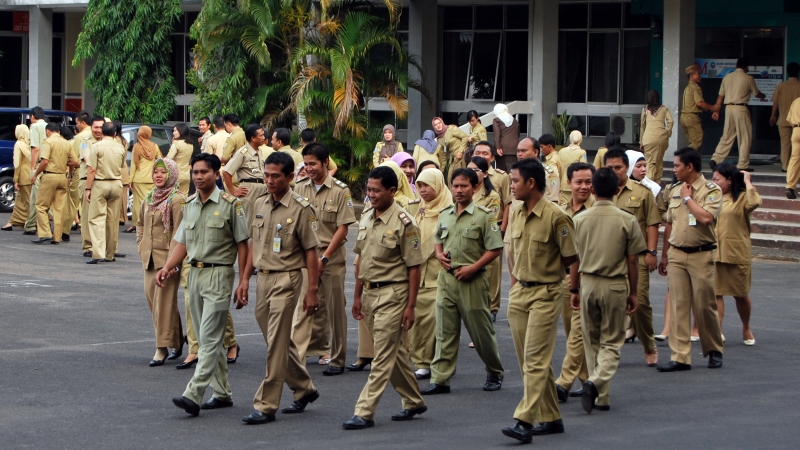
(54, 127)
(66, 132)
(742, 63)
(83, 117)
(612, 140)
(428, 162)
(736, 177)
(219, 122)
(37, 112)
(183, 131)
(616, 153)
(208, 121)
(308, 135)
(578, 166)
(210, 159)
(472, 113)
(98, 119)
(251, 131)
(793, 69)
(118, 126)
(317, 150)
(283, 135)
(605, 182)
(469, 174)
(531, 168)
(386, 175)
(284, 159)
(231, 118)
(653, 99)
(109, 129)
(487, 144)
(547, 139)
(688, 155)
(484, 166)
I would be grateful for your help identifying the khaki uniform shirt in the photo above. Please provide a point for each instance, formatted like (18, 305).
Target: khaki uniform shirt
(569, 155)
(204, 148)
(786, 93)
(107, 157)
(265, 151)
(57, 151)
(387, 246)
(334, 206)
(246, 164)
(502, 184)
(38, 134)
(490, 202)
(212, 229)
(692, 95)
(153, 244)
(216, 143)
(538, 242)
(709, 196)
(282, 231)
(655, 127)
(569, 210)
(181, 153)
(733, 228)
(235, 141)
(83, 152)
(793, 117)
(598, 158)
(469, 235)
(552, 169)
(738, 87)
(619, 234)
(478, 133)
(639, 201)
(297, 157)
(22, 164)
(454, 141)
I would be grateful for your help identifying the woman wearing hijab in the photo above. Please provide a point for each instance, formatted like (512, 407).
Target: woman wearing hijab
(386, 149)
(405, 196)
(409, 168)
(159, 218)
(506, 136)
(454, 142)
(571, 154)
(637, 169)
(22, 178)
(145, 152)
(428, 149)
(181, 152)
(655, 131)
(422, 336)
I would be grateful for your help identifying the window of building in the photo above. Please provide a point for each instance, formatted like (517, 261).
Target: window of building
(183, 61)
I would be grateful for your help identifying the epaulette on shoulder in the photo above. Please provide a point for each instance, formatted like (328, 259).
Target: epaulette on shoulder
(674, 185)
(485, 209)
(229, 198)
(243, 150)
(303, 202)
(448, 207)
(86, 138)
(190, 198)
(415, 201)
(500, 171)
(340, 183)
(711, 185)
(404, 218)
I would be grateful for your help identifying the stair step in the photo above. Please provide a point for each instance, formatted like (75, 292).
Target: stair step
(777, 215)
(759, 176)
(775, 189)
(779, 202)
(775, 241)
(775, 227)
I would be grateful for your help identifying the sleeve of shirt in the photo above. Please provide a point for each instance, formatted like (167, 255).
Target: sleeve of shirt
(651, 214)
(239, 225)
(73, 154)
(776, 93)
(234, 164)
(180, 236)
(753, 201)
(45, 153)
(564, 234)
(491, 234)
(583, 158)
(345, 213)
(410, 246)
(305, 228)
(332, 165)
(698, 95)
(437, 236)
(636, 242)
(505, 189)
(172, 151)
(92, 158)
(376, 156)
(713, 203)
(35, 141)
(753, 87)
(229, 147)
(722, 86)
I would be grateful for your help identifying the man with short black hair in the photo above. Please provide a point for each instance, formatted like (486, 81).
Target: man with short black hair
(785, 93)
(235, 139)
(204, 124)
(56, 158)
(103, 193)
(37, 137)
(246, 164)
(308, 136)
(216, 143)
(281, 140)
(552, 165)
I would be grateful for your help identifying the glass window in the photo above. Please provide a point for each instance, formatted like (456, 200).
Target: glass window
(604, 67)
(159, 137)
(489, 17)
(58, 64)
(606, 15)
(6, 21)
(573, 15)
(763, 46)
(599, 125)
(484, 65)
(11, 75)
(55, 102)
(59, 22)
(718, 43)
(634, 20)
(517, 17)
(458, 18)
(515, 71)
(178, 63)
(572, 66)
(578, 123)
(455, 64)
(403, 25)
(9, 120)
(636, 66)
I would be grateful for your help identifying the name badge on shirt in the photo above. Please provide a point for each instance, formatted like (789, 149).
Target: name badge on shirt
(692, 220)
(276, 245)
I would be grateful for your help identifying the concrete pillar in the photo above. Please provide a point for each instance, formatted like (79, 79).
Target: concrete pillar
(679, 27)
(423, 42)
(543, 68)
(40, 60)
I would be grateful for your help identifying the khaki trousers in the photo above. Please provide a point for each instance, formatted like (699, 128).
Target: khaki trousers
(331, 292)
(642, 319)
(532, 316)
(30, 223)
(229, 339)
(86, 238)
(603, 320)
(457, 300)
(140, 191)
(52, 192)
(693, 130)
(277, 296)
(163, 303)
(103, 216)
(691, 283)
(72, 203)
(793, 171)
(302, 323)
(495, 272)
(654, 155)
(422, 336)
(210, 299)
(383, 313)
(738, 127)
(785, 132)
(574, 364)
(22, 204)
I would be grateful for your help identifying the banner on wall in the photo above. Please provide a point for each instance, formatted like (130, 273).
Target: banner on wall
(766, 77)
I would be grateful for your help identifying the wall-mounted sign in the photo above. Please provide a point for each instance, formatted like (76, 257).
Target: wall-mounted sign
(766, 77)
(21, 21)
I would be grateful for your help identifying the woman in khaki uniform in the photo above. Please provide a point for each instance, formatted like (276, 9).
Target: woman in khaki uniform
(454, 142)
(428, 149)
(422, 336)
(181, 152)
(160, 216)
(477, 132)
(732, 261)
(655, 131)
(145, 152)
(22, 178)
(409, 168)
(386, 149)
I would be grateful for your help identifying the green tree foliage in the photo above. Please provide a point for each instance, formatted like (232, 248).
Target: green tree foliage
(132, 80)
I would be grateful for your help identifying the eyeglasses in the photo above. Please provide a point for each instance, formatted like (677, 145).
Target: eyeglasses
(475, 170)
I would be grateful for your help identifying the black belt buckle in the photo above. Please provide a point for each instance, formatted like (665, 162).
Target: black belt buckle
(376, 284)
(529, 284)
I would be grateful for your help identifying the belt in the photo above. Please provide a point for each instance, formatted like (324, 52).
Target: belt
(53, 173)
(377, 284)
(796, 125)
(107, 179)
(702, 248)
(735, 104)
(452, 270)
(267, 272)
(252, 180)
(204, 265)
(529, 284)
(84, 178)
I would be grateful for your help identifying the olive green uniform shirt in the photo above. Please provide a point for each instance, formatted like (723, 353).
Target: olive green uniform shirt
(235, 141)
(387, 246)
(502, 184)
(469, 235)
(620, 236)
(490, 202)
(212, 229)
(709, 196)
(80, 145)
(552, 169)
(570, 211)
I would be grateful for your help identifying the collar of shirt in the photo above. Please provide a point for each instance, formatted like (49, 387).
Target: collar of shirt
(328, 183)
(289, 195)
(586, 205)
(251, 149)
(470, 209)
(214, 197)
(628, 185)
(700, 181)
(604, 203)
(108, 138)
(285, 148)
(537, 210)
(386, 214)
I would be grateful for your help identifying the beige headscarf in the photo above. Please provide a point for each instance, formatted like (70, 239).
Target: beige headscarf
(404, 192)
(428, 214)
(145, 147)
(575, 138)
(23, 135)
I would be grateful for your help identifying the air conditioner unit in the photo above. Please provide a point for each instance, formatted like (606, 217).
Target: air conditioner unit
(626, 126)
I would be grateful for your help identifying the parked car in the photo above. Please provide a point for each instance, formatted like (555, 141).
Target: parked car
(9, 119)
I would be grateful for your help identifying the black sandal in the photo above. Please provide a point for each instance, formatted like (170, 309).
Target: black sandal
(8, 228)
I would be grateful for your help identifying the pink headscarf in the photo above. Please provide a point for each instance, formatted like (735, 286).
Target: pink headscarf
(401, 157)
(160, 199)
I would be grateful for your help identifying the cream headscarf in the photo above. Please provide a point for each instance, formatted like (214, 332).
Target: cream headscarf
(404, 192)
(428, 214)
(23, 135)
(633, 158)
(575, 138)
(501, 112)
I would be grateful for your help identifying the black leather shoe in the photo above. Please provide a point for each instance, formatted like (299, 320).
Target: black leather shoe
(554, 427)
(333, 370)
(674, 366)
(576, 393)
(175, 353)
(359, 365)
(74, 227)
(54, 242)
(257, 418)
(589, 396)
(522, 431)
(29, 233)
(408, 414)
(714, 360)
(233, 360)
(215, 403)
(562, 394)
(493, 382)
(186, 364)
(434, 389)
(64, 237)
(120, 255)
(300, 404)
(791, 194)
(93, 261)
(357, 423)
(42, 240)
(157, 362)
(87, 254)
(602, 407)
(187, 405)
(110, 260)
(494, 317)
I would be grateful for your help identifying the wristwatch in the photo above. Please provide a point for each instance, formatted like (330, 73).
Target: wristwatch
(686, 200)
(324, 259)
(575, 291)
(653, 252)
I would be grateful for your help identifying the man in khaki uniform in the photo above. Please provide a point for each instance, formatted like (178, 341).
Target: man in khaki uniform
(281, 140)
(74, 199)
(638, 200)
(542, 245)
(387, 282)
(213, 235)
(736, 89)
(573, 153)
(284, 242)
(688, 258)
(246, 164)
(95, 135)
(693, 106)
(334, 206)
(216, 143)
(236, 138)
(604, 297)
(785, 93)
(204, 124)
(309, 136)
(56, 158)
(527, 148)
(38, 135)
(579, 179)
(552, 166)
(103, 191)
(793, 172)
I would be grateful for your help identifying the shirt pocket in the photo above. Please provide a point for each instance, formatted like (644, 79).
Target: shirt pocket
(385, 249)
(539, 243)
(619, 288)
(329, 212)
(258, 230)
(216, 230)
(190, 232)
(472, 233)
(289, 242)
(362, 234)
